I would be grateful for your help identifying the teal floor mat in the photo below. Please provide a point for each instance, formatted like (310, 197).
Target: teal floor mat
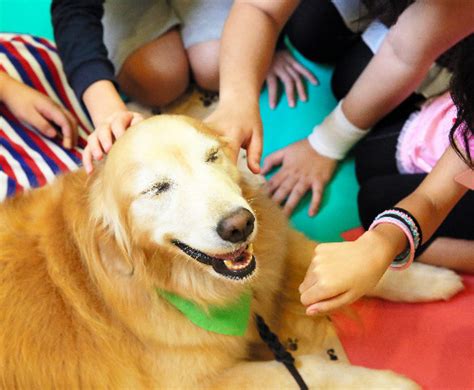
(27, 17)
(284, 125)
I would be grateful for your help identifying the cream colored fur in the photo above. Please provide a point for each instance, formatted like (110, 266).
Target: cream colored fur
(80, 261)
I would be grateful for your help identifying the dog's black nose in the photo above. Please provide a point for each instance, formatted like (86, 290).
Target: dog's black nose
(236, 226)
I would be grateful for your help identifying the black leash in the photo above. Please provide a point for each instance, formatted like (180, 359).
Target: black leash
(279, 351)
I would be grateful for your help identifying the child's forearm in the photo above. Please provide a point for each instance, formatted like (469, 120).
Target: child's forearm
(424, 31)
(102, 100)
(384, 84)
(248, 42)
(434, 199)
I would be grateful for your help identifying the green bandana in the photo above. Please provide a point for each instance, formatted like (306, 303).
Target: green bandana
(231, 320)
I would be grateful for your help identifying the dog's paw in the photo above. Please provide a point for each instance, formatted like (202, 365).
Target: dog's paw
(419, 283)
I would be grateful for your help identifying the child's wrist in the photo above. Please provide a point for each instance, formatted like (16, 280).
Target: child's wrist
(102, 100)
(386, 241)
(336, 135)
(407, 225)
(242, 96)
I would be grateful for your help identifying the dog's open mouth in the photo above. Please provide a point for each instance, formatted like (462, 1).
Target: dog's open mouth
(235, 265)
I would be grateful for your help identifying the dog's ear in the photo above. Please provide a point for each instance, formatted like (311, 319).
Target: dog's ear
(109, 225)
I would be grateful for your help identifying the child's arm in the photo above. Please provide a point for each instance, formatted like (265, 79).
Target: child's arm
(425, 30)
(78, 32)
(248, 42)
(37, 110)
(340, 273)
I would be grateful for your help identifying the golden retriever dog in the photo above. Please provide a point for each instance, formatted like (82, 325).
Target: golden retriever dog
(87, 262)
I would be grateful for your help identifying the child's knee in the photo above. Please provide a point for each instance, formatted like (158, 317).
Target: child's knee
(155, 75)
(204, 62)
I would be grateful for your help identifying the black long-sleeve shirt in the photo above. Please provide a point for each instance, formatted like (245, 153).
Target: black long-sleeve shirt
(78, 32)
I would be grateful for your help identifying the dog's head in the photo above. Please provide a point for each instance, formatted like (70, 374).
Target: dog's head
(169, 189)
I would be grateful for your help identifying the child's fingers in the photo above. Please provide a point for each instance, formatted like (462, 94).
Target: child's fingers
(36, 120)
(105, 139)
(94, 145)
(298, 82)
(310, 280)
(53, 113)
(74, 130)
(317, 293)
(284, 189)
(272, 84)
(276, 158)
(330, 304)
(254, 152)
(274, 183)
(296, 194)
(304, 71)
(316, 196)
(121, 123)
(136, 118)
(87, 160)
(289, 87)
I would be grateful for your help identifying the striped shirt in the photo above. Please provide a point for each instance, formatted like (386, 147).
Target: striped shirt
(28, 159)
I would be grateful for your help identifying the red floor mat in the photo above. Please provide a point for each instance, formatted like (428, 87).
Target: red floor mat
(431, 343)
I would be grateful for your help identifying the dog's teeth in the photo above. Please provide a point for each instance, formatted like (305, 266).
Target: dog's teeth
(237, 266)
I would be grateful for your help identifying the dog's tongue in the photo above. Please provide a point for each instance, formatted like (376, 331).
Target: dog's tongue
(232, 255)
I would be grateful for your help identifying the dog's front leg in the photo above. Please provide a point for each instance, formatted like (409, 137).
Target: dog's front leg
(315, 371)
(419, 283)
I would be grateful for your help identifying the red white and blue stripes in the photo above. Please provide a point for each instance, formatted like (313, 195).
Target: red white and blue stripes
(27, 158)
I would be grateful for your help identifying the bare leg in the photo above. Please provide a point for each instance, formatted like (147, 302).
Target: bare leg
(204, 60)
(158, 72)
(452, 253)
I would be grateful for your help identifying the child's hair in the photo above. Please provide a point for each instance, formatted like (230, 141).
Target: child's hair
(462, 92)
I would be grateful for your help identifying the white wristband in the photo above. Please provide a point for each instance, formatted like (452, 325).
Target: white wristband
(336, 135)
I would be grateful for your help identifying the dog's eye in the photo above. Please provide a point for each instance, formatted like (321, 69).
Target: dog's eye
(158, 188)
(212, 156)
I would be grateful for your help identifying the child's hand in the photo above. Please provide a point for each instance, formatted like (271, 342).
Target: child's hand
(341, 273)
(287, 69)
(100, 141)
(38, 110)
(302, 169)
(242, 126)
